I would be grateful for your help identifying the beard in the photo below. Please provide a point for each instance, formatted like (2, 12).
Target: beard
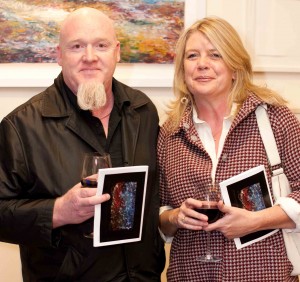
(91, 95)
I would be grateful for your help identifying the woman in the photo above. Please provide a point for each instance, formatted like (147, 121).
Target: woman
(211, 134)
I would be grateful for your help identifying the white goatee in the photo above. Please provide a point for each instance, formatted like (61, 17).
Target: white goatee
(91, 95)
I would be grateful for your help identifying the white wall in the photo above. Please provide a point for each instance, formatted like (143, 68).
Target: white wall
(275, 64)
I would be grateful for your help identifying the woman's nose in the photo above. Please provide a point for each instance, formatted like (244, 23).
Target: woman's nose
(202, 62)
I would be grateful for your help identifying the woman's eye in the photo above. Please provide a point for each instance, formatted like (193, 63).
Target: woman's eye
(192, 56)
(216, 55)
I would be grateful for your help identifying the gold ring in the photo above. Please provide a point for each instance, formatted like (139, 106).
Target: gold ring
(183, 219)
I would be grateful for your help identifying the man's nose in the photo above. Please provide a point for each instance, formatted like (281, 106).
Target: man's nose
(90, 54)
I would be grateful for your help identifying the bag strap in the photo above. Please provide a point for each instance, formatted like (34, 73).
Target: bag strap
(267, 134)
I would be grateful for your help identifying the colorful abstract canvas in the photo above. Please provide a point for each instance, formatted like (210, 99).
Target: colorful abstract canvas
(147, 29)
(123, 205)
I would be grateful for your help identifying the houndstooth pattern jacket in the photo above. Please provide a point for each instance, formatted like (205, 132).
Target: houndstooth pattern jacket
(185, 166)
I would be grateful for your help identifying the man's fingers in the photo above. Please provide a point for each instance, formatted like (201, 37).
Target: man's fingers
(94, 199)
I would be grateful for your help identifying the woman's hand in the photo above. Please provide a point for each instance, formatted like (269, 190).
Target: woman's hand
(238, 222)
(188, 218)
(235, 223)
(183, 217)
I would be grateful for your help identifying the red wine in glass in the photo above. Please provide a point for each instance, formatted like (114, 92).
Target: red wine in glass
(89, 182)
(210, 197)
(211, 211)
(91, 164)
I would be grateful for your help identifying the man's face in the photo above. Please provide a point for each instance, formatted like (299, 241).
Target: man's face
(88, 51)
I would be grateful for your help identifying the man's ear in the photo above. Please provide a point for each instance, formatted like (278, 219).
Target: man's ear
(58, 55)
(118, 50)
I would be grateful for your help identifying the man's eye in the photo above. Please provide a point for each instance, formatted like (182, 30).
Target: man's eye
(102, 46)
(77, 47)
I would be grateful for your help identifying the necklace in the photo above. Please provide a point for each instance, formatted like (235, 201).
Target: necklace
(97, 113)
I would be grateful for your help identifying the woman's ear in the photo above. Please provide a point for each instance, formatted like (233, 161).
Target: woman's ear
(234, 75)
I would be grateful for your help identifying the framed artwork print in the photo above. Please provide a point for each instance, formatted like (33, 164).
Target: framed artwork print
(124, 212)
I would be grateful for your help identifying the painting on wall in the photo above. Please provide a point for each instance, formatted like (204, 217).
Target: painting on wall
(147, 29)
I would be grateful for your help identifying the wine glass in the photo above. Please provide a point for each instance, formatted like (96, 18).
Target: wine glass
(210, 199)
(92, 162)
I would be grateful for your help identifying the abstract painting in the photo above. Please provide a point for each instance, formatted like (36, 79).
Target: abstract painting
(123, 205)
(147, 29)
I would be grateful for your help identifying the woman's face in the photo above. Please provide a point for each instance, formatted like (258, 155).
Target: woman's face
(205, 72)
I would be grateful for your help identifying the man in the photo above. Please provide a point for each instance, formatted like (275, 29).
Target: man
(43, 206)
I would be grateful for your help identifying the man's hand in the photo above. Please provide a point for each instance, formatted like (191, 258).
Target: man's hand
(76, 206)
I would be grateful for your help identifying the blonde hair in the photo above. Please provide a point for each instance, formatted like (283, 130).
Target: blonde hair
(228, 43)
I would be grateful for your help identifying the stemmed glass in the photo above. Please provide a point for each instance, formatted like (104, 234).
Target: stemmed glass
(92, 162)
(210, 198)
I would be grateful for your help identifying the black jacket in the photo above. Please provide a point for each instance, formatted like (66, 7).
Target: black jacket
(42, 144)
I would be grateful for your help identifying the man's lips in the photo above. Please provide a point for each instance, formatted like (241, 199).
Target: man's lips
(91, 71)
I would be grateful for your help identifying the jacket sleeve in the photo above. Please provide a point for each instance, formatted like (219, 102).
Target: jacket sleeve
(286, 129)
(23, 218)
(287, 134)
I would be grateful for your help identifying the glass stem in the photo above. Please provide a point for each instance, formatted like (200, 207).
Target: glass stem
(208, 250)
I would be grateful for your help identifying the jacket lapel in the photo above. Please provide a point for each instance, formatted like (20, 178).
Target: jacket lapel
(130, 130)
(57, 105)
(83, 131)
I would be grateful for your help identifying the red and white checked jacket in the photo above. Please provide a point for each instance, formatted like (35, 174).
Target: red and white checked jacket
(184, 166)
